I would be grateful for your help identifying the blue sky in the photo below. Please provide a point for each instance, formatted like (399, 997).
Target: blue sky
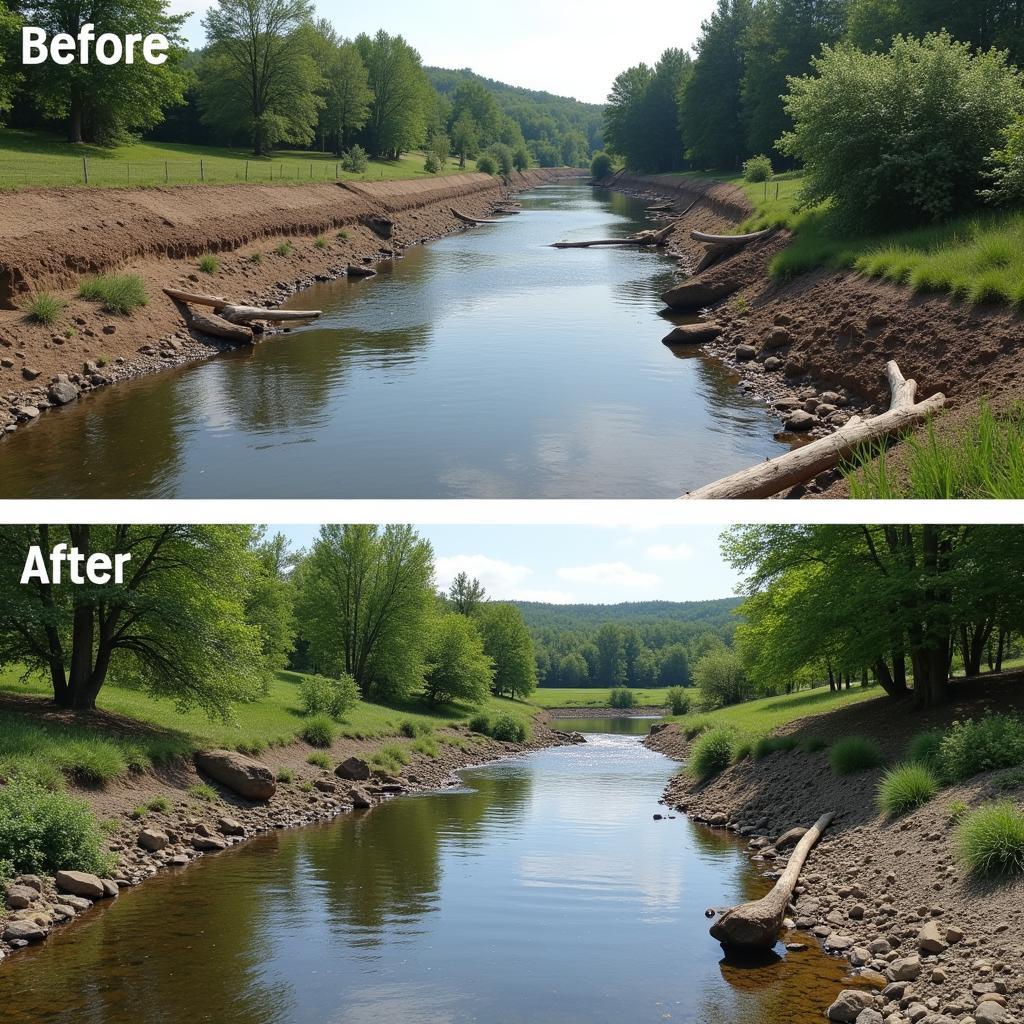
(567, 47)
(577, 564)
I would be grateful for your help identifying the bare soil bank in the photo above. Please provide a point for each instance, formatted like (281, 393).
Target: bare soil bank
(872, 885)
(196, 827)
(51, 238)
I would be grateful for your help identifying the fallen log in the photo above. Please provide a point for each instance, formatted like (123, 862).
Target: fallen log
(241, 314)
(661, 208)
(645, 239)
(796, 467)
(195, 298)
(474, 221)
(757, 925)
(736, 240)
(218, 327)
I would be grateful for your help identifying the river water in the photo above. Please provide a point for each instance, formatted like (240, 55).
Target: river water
(483, 365)
(543, 892)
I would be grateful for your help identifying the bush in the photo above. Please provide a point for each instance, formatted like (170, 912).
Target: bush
(722, 679)
(774, 745)
(905, 788)
(413, 730)
(601, 166)
(45, 308)
(679, 700)
(924, 747)
(486, 165)
(855, 754)
(42, 832)
(209, 264)
(432, 165)
(120, 294)
(711, 754)
(885, 163)
(758, 169)
(319, 731)
(741, 750)
(481, 724)
(355, 160)
(981, 745)
(1008, 175)
(991, 841)
(696, 728)
(332, 697)
(622, 698)
(319, 761)
(509, 729)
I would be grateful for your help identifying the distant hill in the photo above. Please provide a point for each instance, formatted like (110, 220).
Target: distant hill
(711, 614)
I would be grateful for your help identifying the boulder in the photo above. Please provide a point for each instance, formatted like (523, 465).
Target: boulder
(698, 294)
(745, 353)
(23, 931)
(80, 903)
(230, 827)
(789, 839)
(359, 799)
(153, 839)
(990, 1012)
(20, 896)
(849, 1006)
(779, 338)
(693, 334)
(62, 392)
(29, 372)
(930, 940)
(242, 775)
(80, 883)
(208, 843)
(906, 969)
(801, 422)
(840, 943)
(870, 1016)
(32, 881)
(354, 770)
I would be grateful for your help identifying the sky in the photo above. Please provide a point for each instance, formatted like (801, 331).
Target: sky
(568, 47)
(577, 564)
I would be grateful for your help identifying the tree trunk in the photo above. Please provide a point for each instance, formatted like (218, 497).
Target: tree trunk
(75, 117)
(1001, 650)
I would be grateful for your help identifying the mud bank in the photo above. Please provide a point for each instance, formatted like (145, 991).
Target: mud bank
(890, 896)
(269, 241)
(198, 825)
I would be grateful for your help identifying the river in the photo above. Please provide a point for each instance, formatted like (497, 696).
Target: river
(543, 891)
(482, 365)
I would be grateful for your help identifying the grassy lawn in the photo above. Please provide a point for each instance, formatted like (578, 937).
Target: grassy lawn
(30, 159)
(590, 698)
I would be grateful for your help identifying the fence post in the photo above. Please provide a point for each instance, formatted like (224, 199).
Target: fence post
(310, 170)
(336, 174)
(202, 171)
(85, 170)
(246, 170)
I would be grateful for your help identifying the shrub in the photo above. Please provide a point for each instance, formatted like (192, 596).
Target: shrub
(854, 754)
(412, 730)
(209, 264)
(45, 308)
(207, 794)
(42, 832)
(815, 745)
(319, 761)
(120, 294)
(981, 745)
(758, 169)
(773, 745)
(905, 788)
(480, 723)
(321, 242)
(284, 249)
(509, 729)
(924, 747)
(722, 679)
(679, 700)
(622, 698)
(159, 805)
(1008, 173)
(332, 697)
(355, 160)
(1014, 780)
(991, 841)
(601, 166)
(711, 754)
(319, 731)
(256, 257)
(432, 165)
(285, 775)
(486, 165)
(306, 786)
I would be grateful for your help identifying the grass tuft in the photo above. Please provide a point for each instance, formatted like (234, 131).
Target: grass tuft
(769, 745)
(319, 761)
(990, 841)
(119, 294)
(285, 775)
(284, 249)
(854, 754)
(44, 308)
(319, 731)
(204, 793)
(209, 264)
(711, 754)
(906, 787)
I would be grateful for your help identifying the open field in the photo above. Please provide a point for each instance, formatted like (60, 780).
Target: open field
(591, 698)
(36, 159)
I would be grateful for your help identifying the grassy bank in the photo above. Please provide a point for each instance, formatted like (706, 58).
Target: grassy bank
(35, 159)
(591, 698)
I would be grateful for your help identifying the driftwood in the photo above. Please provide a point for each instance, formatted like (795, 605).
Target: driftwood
(796, 467)
(218, 327)
(757, 925)
(474, 221)
(720, 247)
(644, 239)
(241, 314)
(661, 208)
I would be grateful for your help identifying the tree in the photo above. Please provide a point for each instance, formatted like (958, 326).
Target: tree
(457, 669)
(474, 99)
(106, 103)
(623, 125)
(662, 146)
(611, 661)
(271, 598)
(573, 671)
(466, 595)
(508, 644)
(465, 137)
(319, 41)
(256, 76)
(364, 602)
(175, 627)
(722, 679)
(349, 96)
(10, 77)
(675, 666)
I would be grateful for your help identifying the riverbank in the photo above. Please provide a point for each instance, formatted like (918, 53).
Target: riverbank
(172, 814)
(889, 896)
(815, 347)
(261, 242)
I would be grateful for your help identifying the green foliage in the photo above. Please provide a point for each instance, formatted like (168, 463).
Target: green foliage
(209, 264)
(507, 642)
(1008, 170)
(45, 308)
(426, 745)
(925, 747)
(815, 745)
(319, 731)
(480, 724)
(679, 700)
(318, 760)
(906, 787)
(923, 158)
(623, 698)
(334, 698)
(42, 831)
(509, 729)
(768, 745)
(10, 77)
(487, 165)
(321, 242)
(392, 758)
(956, 811)
(742, 749)
(697, 727)
(722, 679)
(252, 747)
(854, 754)
(758, 169)
(355, 160)
(990, 841)
(981, 745)
(602, 166)
(413, 730)
(285, 775)
(285, 249)
(711, 754)
(120, 294)
(348, 100)
(159, 805)
(204, 793)
(256, 258)
(457, 667)
(306, 786)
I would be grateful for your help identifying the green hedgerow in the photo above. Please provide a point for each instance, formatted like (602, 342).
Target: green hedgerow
(774, 745)
(509, 729)
(622, 698)
(711, 754)
(906, 787)
(45, 308)
(855, 754)
(319, 761)
(319, 731)
(991, 840)
(42, 831)
(209, 264)
(119, 294)
(981, 745)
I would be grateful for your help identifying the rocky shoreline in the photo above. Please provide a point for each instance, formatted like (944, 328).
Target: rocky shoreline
(224, 799)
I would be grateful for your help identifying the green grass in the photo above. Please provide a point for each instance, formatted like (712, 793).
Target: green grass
(990, 841)
(596, 698)
(31, 159)
(284, 775)
(119, 294)
(321, 242)
(391, 759)
(44, 308)
(906, 787)
(209, 264)
(320, 731)
(711, 754)
(924, 747)
(853, 755)
(768, 745)
(203, 793)
(285, 249)
(318, 760)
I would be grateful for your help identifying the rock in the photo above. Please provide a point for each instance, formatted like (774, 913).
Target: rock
(800, 422)
(80, 903)
(906, 969)
(354, 770)
(359, 799)
(208, 843)
(110, 887)
(873, 978)
(773, 364)
(80, 883)
(230, 827)
(19, 897)
(153, 839)
(849, 1006)
(870, 1016)
(239, 773)
(354, 270)
(693, 334)
(326, 786)
(745, 353)
(23, 931)
(778, 338)
(954, 935)
(26, 412)
(699, 294)
(32, 881)
(929, 939)
(990, 1012)
(62, 392)
(840, 943)
(718, 820)
(29, 372)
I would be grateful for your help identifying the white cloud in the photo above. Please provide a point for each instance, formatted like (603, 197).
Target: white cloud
(615, 574)
(670, 553)
(503, 580)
